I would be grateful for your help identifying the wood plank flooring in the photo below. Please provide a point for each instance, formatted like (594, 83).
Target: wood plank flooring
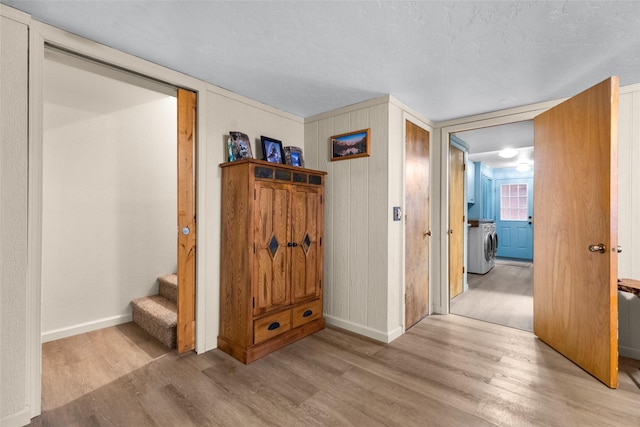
(447, 370)
(504, 296)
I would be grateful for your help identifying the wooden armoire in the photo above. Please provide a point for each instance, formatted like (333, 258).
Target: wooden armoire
(271, 257)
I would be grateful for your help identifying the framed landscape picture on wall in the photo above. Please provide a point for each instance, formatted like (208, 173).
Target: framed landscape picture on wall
(350, 145)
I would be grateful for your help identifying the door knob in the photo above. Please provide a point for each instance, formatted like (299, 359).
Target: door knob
(427, 233)
(598, 248)
(619, 249)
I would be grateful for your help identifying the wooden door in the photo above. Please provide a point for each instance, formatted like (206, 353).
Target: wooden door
(272, 237)
(186, 221)
(456, 221)
(418, 228)
(575, 205)
(306, 232)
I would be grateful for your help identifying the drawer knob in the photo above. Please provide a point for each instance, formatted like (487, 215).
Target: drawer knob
(274, 325)
(307, 313)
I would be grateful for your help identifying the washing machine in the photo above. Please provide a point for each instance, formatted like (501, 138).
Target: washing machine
(483, 245)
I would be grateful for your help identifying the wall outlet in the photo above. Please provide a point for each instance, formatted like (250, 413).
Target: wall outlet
(397, 213)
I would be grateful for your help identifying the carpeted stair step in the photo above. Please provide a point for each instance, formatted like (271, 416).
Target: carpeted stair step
(169, 287)
(158, 316)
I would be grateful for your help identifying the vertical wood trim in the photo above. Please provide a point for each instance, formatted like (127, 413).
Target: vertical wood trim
(456, 220)
(186, 219)
(34, 274)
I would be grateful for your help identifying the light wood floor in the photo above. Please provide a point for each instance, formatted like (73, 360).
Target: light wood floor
(447, 370)
(504, 296)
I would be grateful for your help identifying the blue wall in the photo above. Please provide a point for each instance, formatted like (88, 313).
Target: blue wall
(484, 190)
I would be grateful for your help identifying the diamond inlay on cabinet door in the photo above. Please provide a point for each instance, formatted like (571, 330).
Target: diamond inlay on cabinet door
(306, 243)
(273, 246)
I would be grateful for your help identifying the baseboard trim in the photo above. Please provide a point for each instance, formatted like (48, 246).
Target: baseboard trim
(363, 330)
(18, 419)
(631, 352)
(85, 327)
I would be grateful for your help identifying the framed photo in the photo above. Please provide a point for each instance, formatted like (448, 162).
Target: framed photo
(239, 146)
(350, 145)
(272, 150)
(293, 156)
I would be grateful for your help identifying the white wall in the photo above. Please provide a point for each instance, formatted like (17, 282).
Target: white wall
(14, 325)
(629, 182)
(109, 195)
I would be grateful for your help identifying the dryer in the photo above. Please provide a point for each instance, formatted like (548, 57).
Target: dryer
(483, 245)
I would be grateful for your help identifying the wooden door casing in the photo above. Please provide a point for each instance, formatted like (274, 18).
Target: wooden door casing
(456, 221)
(575, 206)
(186, 297)
(272, 235)
(306, 224)
(417, 224)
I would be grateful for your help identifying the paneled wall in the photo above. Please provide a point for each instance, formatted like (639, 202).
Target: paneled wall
(363, 274)
(629, 182)
(356, 218)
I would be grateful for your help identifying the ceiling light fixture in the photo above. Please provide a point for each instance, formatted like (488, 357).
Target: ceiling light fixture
(508, 153)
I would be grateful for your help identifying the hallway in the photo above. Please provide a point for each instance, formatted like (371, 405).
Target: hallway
(503, 296)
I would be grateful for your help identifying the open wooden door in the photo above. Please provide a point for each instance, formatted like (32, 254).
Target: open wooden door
(575, 237)
(186, 221)
(456, 221)
(417, 229)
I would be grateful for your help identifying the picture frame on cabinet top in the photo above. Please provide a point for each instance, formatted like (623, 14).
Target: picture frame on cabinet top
(239, 146)
(293, 156)
(272, 150)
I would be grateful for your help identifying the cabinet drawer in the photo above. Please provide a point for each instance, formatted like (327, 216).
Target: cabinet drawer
(305, 313)
(271, 326)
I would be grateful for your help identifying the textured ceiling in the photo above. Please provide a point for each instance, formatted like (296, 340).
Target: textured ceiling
(444, 59)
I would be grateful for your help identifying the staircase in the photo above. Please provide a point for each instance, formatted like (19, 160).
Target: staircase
(157, 314)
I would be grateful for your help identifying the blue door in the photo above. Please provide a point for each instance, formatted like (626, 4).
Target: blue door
(514, 207)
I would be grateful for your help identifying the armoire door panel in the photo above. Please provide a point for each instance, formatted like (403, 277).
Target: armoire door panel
(304, 260)
(272, 235)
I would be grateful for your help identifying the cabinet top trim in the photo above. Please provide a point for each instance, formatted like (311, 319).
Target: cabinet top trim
(273, 165)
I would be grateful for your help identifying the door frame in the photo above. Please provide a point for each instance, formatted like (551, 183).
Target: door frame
(441, 298)
(41, 35)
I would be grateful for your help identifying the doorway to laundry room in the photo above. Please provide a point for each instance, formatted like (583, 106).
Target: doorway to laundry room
(498, 279)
